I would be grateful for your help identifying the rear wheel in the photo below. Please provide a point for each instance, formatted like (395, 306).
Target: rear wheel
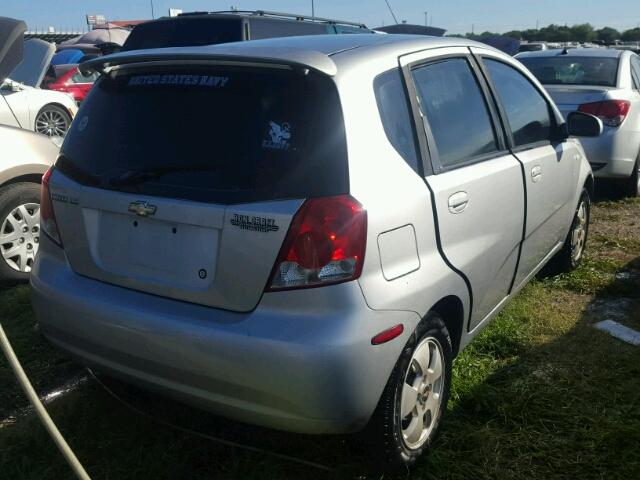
(632, 184)
(53, 121)
(574, 246)
(19, 230)
(408, 417)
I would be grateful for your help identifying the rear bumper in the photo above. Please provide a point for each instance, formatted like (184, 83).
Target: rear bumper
(614, 153)
(301, 361)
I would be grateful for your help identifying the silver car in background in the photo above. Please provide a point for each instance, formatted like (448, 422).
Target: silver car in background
(313, 228)
(24, 157)
(605, 83)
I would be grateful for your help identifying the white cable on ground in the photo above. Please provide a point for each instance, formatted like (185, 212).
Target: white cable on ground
(73, 461)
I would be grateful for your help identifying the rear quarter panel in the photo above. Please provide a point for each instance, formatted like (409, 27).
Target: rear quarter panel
(24, 153)
(395, 197)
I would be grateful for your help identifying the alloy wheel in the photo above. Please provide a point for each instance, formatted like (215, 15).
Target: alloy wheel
(579, 233)
(52, 123)
(422, 393)
(20, 237)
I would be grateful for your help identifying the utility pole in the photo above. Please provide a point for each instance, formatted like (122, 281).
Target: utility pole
(426, 19)
(537, 24)
(313, 9)
(473, 30)
(152, 14)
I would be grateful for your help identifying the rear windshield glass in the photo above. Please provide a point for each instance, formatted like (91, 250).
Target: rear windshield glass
(182, 32)
(211, 135)
(566, 70)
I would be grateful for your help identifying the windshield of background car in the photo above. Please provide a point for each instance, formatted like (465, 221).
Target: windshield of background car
(31, 70)
(182, 32)
(222, 135)
(567, 70)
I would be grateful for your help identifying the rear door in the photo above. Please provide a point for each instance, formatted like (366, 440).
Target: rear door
(550, 168)
(182, 181)
(476, 183)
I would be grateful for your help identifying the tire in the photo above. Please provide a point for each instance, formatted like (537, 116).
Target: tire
(386, 435)
(632, 184)
(572, 251)
(52, 120)
(15, 265)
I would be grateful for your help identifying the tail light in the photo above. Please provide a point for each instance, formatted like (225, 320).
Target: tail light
(48, 222)
(325, 244)
(611, 112)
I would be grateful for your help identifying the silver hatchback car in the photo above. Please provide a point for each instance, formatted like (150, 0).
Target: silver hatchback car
(302, 233)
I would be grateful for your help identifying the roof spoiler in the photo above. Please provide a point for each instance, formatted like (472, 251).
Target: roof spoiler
(285, 56)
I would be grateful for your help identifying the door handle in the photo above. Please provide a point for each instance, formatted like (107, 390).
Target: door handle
(458, 202)
(536, 174)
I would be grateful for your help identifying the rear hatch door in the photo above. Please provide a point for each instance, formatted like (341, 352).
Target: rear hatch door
(182, 181)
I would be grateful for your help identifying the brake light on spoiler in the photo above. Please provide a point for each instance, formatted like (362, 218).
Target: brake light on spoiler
(325, 244)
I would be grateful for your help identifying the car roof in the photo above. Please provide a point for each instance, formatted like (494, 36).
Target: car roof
(315, 51)
(335, 44)
(573, 52)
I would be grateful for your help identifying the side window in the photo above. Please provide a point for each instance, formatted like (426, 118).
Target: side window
(80, 78)
(526, 109)
(456, 110)
(395, 116)
(272, 28)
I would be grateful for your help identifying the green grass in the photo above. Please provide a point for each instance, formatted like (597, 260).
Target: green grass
(539, 394)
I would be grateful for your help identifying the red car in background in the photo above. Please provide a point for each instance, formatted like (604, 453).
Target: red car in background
(67, 78)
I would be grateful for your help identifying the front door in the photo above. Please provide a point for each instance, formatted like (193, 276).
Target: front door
(550, 168)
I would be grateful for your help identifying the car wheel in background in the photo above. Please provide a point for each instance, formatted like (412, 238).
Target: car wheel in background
(19, 230)
(575, 244)
(53, 121)
(632, 184)
(408, 417)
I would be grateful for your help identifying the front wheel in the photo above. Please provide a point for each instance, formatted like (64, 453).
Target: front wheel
(408, 417)
(53, 121)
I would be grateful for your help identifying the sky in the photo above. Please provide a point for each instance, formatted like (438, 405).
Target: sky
(455, 16)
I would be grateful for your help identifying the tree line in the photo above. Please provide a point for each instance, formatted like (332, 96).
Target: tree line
(583, 32)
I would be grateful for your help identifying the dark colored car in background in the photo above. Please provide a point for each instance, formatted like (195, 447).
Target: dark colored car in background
(204, 28)
(68, 79)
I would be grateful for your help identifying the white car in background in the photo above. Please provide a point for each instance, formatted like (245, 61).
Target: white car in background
(25, 104)
(605, 83)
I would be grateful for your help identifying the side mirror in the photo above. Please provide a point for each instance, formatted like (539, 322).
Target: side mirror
(583, 125)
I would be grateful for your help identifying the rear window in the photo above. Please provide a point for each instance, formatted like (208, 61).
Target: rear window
(566, 70)
(182, 32)
(210, 135)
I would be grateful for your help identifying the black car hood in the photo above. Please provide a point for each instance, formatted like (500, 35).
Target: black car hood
(11, 45)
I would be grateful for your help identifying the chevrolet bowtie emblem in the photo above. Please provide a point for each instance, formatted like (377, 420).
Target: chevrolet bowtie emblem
(142, 208)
